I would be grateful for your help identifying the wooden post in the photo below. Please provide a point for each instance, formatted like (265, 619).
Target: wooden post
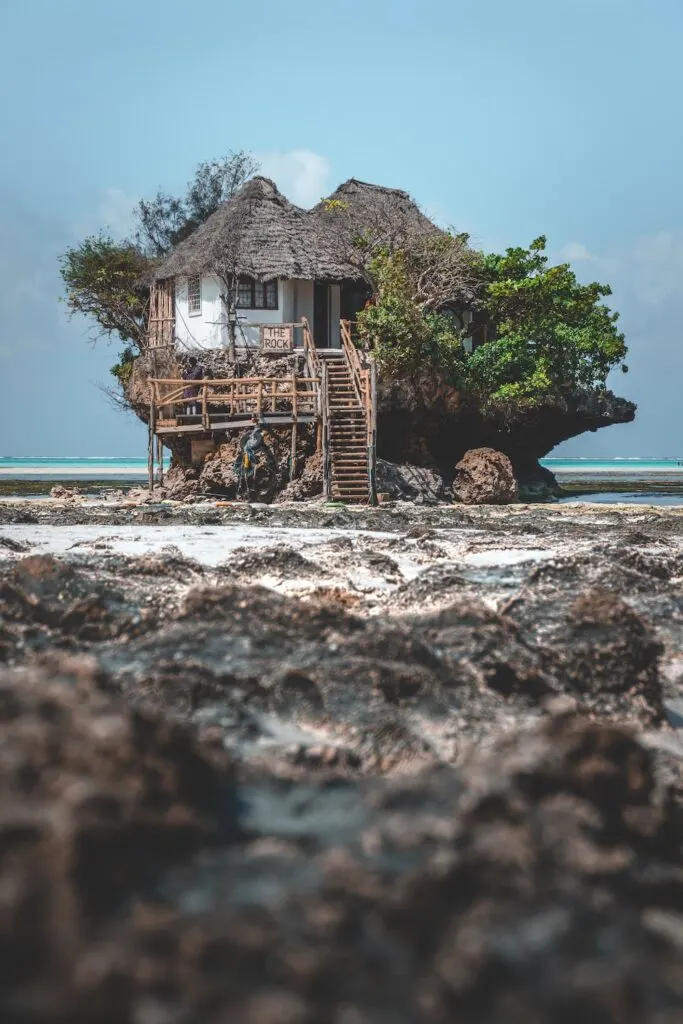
(150, 447)
(327, 462)
(292, 461)
(372, 446)
(160, 460)
(205, 415)
(295, 411)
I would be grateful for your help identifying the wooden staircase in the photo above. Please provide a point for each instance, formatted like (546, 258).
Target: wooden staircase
(348, 435)
(349, 424)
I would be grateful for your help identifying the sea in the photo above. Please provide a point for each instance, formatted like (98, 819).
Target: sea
(609, 481)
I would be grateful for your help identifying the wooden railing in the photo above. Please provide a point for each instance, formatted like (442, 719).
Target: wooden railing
(365, 385)
(359, 374)
(312, 358)
(236, 396)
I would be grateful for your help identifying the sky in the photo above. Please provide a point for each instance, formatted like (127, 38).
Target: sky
(506, 120)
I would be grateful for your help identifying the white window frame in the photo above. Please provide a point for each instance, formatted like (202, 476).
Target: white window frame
(194, 308)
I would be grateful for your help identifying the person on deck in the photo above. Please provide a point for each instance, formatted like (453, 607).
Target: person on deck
(195, 371)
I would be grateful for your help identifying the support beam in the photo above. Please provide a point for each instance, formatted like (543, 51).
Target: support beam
(292, 460)
(327, 459)
(160, 460)
(372, 448)
(150, 447)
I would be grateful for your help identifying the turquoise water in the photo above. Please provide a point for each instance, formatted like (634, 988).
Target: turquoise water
(667, 473)
(91, 467)
(94, 468)
(634, 467)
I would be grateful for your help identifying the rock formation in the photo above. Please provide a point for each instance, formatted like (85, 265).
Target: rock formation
(423, 423)
(429, 423)
(410, 483)
(485, 477)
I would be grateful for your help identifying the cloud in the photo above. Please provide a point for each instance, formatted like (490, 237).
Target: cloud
(113, 212)
(302, 175)
(116, 211)
(574, 251)
(655, 263)
(648, 269)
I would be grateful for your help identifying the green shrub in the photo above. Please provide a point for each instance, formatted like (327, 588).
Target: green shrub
(551, 334)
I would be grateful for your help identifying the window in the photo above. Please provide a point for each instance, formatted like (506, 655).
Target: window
(244, 293)
(253, 294)
(194, 295)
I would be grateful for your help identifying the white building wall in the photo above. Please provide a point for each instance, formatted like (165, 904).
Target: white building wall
(203, 329)
(208, 328)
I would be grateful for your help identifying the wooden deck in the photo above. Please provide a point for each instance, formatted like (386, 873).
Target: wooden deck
(232, 403)
(216, 422)
(337, 394)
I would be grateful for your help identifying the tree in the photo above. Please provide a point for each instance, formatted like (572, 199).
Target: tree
(408, 335)
(104, 282)
(444, 271)
(166, 220)
(552, 334)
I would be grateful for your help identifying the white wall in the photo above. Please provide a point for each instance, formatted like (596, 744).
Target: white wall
(200, 330)
(208, 329)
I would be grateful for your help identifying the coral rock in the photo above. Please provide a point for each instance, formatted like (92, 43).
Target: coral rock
(485, 477)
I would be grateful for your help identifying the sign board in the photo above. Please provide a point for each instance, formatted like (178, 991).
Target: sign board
(276, 339)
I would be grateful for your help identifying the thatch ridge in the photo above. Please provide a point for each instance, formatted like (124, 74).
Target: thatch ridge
(263, 235)
(377, 206)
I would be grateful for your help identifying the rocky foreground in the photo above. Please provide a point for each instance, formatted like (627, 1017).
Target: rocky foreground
(312, 765)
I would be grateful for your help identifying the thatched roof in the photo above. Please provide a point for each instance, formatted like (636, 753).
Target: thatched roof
(263, 235)
(369, 206)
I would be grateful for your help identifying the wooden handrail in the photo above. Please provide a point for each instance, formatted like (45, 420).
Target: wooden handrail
(227, 380)
(239, 395)
(358, 374)
(312, 357)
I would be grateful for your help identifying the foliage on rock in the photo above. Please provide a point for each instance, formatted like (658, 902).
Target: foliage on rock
(406, 336)
(550, 334)
(553, 334)
(123, 370)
